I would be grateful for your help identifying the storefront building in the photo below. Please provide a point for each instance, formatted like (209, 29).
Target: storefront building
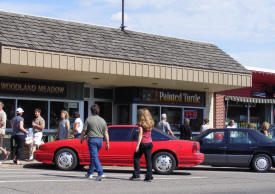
(177, 105)
(55, 65)
(253, 105)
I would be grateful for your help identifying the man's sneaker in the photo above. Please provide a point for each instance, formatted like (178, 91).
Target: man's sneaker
(134, 178)
(99, 178)
(89, 176)
(147, 179)
(31, 158)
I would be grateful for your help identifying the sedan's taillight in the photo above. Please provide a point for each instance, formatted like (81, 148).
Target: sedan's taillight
(42, 147)
(196, 147)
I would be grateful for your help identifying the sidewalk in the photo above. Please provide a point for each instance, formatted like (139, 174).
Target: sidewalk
(10, 164)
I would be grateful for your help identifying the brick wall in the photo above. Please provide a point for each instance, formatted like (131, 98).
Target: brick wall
(219, 111)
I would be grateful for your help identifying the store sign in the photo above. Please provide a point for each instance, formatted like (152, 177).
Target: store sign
(259, 94)
(190, 114)
(173, 97)
(32, 88)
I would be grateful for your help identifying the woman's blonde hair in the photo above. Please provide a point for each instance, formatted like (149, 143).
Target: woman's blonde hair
(66, 113)
(145, 119)
(265, 126)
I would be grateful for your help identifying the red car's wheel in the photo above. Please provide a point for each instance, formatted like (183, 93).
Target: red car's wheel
(66, 159)
(164, 163)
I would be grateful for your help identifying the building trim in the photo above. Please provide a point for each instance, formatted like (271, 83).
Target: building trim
(69, 62)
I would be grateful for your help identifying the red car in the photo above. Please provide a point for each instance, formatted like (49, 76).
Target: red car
(168, 153)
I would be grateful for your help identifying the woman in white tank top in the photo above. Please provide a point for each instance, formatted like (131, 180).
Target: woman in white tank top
(205, 126)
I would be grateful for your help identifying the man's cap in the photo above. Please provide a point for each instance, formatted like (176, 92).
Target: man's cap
(163, 115)
(19, 110)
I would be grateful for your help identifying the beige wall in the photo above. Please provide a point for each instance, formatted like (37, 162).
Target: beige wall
(81, 67)
(112, 73)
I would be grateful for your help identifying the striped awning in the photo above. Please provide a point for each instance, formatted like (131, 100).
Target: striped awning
(250, 100)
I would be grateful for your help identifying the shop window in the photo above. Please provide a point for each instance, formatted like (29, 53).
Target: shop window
(260, 113)
(87, 93)
(86, 110)
(123, 114)
(29, 106)
(174, 118)
(9, 108)
(174, 115)
(154, 110)
(237, 112)
(106, 111)
(103, 93)
(196, 118)
(57, 107)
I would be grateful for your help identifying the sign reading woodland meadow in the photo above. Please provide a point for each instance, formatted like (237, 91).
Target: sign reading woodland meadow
(32, 88)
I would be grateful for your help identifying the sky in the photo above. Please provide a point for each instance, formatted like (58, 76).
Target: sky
(244, 29)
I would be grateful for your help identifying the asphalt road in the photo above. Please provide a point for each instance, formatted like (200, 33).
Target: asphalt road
(40, 179)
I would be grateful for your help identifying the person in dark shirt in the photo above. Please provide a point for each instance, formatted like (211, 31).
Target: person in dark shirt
(185, 130)
(19, 132)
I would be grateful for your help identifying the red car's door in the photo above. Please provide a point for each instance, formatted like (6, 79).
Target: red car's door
(121, 150)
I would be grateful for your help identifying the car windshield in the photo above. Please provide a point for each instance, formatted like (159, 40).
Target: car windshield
(158, 135)
(196, 138)
(271, 131)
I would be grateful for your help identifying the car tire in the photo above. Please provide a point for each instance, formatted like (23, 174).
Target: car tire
(261, 163)
(164, 163)
(66, 159)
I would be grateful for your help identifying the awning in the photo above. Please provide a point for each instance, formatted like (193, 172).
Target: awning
(250, 100)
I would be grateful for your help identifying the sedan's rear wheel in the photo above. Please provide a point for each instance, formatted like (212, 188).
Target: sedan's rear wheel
(261, 163)
(164, 163)
(66, 159)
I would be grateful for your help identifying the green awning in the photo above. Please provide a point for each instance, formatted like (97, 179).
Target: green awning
(250, 100)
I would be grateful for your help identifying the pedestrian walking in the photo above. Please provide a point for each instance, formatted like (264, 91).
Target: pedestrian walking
(63, 127)
(264, 129)
(205, 126)
(3, 120)
(19, 133)
(38, 126)
(78, 126)
(185, 130)
(231, 124)
(164, 126)
(144, 145)
(95, 128)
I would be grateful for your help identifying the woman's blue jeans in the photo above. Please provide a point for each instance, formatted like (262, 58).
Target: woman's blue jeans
(95, 144)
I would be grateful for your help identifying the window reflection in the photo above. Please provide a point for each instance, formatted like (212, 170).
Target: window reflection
(29, 106)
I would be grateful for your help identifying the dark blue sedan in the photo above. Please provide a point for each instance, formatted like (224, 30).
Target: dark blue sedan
(237, 148)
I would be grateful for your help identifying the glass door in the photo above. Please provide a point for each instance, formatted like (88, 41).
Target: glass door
(154, 110)
(106, 111)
